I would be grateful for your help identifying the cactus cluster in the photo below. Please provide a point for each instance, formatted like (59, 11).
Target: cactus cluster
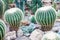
(13, 16)
(35, 4)
(46, 17)
(2, 29)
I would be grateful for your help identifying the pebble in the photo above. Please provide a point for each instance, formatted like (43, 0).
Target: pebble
(23, 38)
(36, 35)
(19, 33)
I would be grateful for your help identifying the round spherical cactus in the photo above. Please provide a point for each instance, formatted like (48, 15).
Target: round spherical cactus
(2, 8)
(13, 17)
(2, 29)
(51, 36)
(32, 19)
(46, 17)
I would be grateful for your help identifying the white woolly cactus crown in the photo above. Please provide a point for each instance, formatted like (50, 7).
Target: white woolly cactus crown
(13, 16)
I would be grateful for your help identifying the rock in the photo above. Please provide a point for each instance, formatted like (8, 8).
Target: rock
(8, 38)
(27, 30)
(19, 33)
(23, 38)
(10, 35)
(36, 35)
(51, 36)
(56, 26)
(59, 32)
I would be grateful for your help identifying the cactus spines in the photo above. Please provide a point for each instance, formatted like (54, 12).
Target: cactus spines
(2, 29)
(13, 17)
(46, 17)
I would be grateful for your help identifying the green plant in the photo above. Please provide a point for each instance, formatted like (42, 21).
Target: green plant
(13, 17)
(11, 1)
(46, 17)
(2, 29)
(7, 2)
(2, 8)
(35, 4)
(32, 19)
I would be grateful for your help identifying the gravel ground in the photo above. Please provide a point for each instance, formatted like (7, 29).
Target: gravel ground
(22, 37)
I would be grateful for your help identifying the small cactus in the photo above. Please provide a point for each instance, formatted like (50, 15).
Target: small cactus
(32, 19)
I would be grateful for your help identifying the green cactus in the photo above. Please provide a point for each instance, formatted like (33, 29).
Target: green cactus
(2, 8)
(35, 4)
(32, 19)
(2, 29)
(13, 17)
(7, 2)
(51, 36)
(46, 17)
(11, 1)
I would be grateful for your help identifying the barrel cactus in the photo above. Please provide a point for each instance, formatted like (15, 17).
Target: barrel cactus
(13, 17)
(51, 36)
(2, 7)
(46, 17)
(2, 29)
